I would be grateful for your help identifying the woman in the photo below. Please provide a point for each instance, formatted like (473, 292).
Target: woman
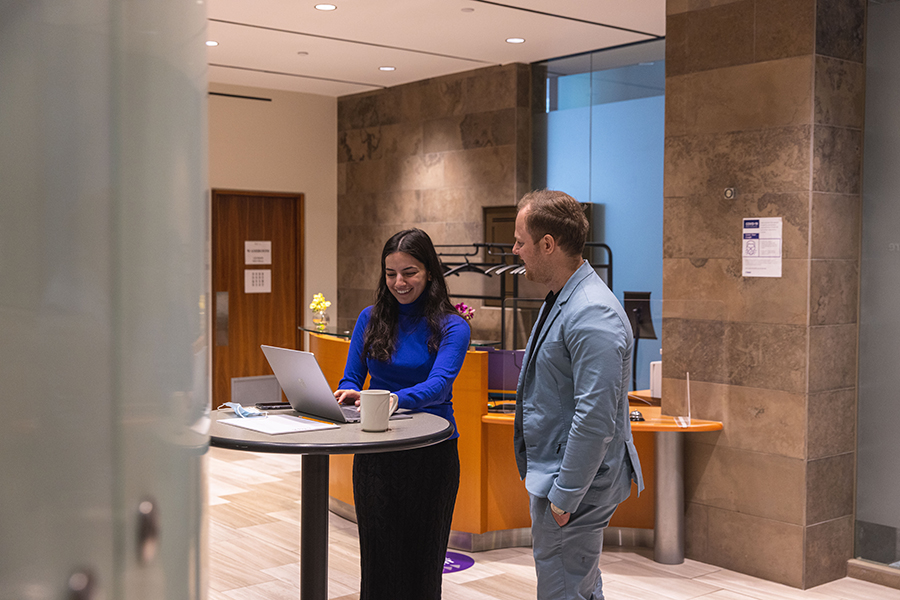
(412, 342)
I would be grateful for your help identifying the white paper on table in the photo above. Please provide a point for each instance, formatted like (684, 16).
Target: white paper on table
(275, 424)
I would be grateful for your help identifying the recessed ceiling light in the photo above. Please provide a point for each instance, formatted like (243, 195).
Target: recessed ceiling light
(387, 68)
(515, 40)
(212, 43)
(326, 7)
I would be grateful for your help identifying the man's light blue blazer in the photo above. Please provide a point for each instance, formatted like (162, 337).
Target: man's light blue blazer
(572, 430)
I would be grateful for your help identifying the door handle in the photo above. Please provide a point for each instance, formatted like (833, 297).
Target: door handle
(221, 318)
(82, 585)
(148, 531)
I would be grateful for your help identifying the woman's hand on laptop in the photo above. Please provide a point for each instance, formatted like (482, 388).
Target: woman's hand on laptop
(347, 397)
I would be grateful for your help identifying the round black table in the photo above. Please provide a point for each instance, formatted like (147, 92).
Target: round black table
(422, 429)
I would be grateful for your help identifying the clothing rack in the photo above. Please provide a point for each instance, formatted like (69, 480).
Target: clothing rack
(473, 258)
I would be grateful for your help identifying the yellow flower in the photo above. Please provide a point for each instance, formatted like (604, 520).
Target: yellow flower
(319, 303)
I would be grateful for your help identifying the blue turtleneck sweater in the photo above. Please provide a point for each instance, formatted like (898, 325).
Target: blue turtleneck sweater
(422, 380)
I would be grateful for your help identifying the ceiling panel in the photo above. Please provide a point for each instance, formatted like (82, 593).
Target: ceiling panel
(277, 81)
(277, 51)
(293, 46)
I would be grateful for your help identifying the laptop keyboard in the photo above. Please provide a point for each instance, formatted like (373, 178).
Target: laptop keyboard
(351, 413)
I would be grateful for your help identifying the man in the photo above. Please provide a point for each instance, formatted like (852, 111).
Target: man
(572, 432)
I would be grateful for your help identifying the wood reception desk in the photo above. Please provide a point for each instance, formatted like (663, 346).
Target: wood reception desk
(492, 504)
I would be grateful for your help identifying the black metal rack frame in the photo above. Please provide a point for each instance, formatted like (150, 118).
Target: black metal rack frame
(509, 263)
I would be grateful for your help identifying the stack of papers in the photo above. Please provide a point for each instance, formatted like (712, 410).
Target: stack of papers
(276, 424)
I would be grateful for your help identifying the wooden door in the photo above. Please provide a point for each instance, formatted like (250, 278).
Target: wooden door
(257, 241)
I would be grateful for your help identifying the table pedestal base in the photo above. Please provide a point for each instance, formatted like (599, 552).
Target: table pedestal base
(668, 543)
(314, 527)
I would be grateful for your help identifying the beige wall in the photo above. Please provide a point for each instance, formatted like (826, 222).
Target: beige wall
(286, 145)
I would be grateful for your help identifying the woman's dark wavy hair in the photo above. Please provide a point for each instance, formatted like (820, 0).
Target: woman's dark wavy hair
(381, 332)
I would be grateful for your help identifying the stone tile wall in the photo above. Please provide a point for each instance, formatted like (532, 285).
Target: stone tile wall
(428, 154)
(767, 97)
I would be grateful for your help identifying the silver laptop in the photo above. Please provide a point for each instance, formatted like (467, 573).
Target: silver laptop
(305, 385)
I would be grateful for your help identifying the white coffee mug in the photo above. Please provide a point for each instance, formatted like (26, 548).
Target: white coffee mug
(376, 408)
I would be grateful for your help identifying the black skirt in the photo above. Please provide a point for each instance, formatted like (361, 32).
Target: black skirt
(404, 505)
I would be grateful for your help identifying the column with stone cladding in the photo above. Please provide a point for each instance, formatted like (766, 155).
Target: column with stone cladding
(767, 97)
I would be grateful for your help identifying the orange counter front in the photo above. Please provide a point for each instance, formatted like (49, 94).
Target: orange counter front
(492, 505)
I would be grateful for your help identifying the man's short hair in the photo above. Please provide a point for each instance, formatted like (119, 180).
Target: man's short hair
(558, 214)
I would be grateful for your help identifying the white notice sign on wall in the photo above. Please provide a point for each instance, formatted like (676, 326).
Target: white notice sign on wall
(257, 253)
(761, 243)
(258, 281)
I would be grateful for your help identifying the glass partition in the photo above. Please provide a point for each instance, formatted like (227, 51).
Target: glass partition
(878, 445)
(103, 330)
(599, 136)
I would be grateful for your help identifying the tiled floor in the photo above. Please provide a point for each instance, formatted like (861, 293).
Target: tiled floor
(254, 539)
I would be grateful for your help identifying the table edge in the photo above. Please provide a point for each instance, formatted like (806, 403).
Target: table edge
(352, 448)
(696, 426)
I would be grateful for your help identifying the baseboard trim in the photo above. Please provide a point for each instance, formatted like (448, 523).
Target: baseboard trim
(491, 540)
(511, 538)
(874, 572)
(628, 537)
(342, 509)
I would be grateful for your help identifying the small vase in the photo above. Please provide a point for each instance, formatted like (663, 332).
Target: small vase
(320, 320)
